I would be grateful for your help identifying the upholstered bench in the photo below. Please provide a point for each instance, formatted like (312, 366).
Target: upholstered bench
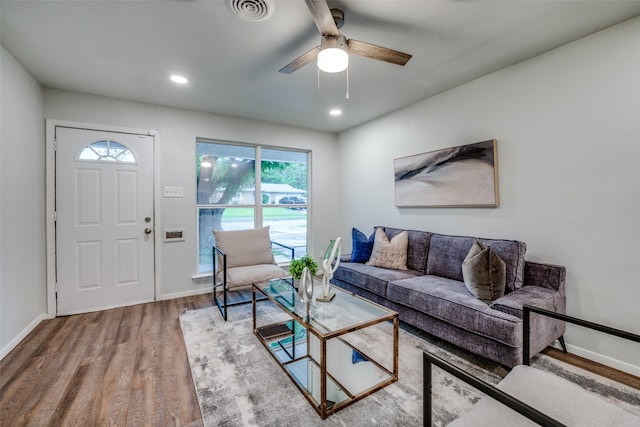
(529, 396)
(558, 398)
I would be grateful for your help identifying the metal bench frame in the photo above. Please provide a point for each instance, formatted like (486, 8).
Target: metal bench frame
(224, 303)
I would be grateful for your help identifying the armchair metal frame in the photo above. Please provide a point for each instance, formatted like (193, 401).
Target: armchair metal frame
(490, 390)
(222, 305)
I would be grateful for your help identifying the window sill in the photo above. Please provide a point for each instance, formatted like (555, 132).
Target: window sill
(202, 278)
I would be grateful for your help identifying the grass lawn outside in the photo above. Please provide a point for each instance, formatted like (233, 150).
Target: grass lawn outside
(268, 212)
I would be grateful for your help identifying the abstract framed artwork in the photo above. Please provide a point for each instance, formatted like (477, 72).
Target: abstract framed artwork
(463, 176)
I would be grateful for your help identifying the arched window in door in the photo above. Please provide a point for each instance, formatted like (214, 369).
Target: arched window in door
(106, 151)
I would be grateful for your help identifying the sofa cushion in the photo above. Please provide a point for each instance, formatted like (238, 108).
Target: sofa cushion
(447, 253)
(450, 301)
(389, 253)
(484, 273)
(372, 279)
(417, 248)
(361, 245)
(245, 247)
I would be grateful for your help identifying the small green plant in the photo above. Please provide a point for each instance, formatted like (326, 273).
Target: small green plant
(297, 265)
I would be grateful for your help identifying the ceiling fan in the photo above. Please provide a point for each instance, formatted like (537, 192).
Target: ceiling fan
(333, 53)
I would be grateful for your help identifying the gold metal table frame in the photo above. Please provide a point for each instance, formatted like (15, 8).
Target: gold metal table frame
(312, 346)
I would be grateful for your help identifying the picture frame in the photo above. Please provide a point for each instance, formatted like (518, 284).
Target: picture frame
(462, 176)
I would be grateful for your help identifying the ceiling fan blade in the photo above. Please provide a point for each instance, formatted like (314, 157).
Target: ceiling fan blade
(322, 17)
(301, 61)
(380, 53)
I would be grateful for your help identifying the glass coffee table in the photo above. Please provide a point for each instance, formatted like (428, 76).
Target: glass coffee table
(336, 353)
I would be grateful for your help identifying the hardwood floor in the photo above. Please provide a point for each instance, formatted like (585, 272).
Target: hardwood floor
(126, 366)
(596, 368)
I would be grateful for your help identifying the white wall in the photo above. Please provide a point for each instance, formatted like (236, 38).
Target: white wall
(568, 130)
(22, 225)
(178, 130)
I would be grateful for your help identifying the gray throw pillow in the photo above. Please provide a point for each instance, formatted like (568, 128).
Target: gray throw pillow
(484, 273)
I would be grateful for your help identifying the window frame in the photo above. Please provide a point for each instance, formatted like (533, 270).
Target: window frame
(258, 211)
(101, 158)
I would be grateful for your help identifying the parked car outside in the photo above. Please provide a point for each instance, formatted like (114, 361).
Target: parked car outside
(293, 200)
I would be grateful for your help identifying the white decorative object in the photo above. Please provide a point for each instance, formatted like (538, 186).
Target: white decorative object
(328, 270)
(305, 289)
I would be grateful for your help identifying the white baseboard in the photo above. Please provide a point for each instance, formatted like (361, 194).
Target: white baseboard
(22, 335)
(604, 360)
(186, 293)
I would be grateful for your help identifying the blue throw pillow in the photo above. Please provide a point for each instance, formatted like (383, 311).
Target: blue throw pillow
(356, 357)
(362, 246)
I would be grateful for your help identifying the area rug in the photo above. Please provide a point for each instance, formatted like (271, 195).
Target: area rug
(239, 384)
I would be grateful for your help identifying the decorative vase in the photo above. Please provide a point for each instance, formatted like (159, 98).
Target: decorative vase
(333, 253)
(305, 290)
(305, 286)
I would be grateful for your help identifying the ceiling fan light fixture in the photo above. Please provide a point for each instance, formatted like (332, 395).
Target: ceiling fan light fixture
(179, 79)
(333, 56)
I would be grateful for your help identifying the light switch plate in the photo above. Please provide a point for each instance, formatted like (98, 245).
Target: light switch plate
(173, 192)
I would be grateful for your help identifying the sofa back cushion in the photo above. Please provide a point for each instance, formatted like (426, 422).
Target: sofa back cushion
(417, 249)
(447, 253)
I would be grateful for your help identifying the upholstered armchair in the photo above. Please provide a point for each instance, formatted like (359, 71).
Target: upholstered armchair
(240, 259)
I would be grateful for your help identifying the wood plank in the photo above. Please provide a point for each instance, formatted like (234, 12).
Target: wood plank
(594, 367)
(114, 393)
(82, 401)
(180, 398)
(53, 406)
(175, 400)
(145, 406)
(15, 361)
(45, 377)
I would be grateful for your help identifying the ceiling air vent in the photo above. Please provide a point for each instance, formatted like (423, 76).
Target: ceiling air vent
(251, 10)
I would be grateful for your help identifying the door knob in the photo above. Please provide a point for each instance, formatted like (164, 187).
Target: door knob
(147, 231)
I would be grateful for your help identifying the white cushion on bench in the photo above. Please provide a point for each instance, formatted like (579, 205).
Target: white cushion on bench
(550, 394)
(239, 277)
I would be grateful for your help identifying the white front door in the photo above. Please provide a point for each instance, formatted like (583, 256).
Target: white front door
(104, 220)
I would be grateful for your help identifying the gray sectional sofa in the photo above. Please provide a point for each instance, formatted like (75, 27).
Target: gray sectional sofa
(432, 296)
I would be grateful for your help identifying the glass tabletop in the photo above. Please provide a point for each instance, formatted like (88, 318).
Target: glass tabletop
(344, 311)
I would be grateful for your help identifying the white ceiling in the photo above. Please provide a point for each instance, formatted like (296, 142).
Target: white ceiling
(128, 49)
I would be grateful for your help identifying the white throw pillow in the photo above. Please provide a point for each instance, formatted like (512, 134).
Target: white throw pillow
(389, 253)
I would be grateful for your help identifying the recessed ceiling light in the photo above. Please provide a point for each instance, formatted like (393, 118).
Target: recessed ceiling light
(179, 79)
(336, 112)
